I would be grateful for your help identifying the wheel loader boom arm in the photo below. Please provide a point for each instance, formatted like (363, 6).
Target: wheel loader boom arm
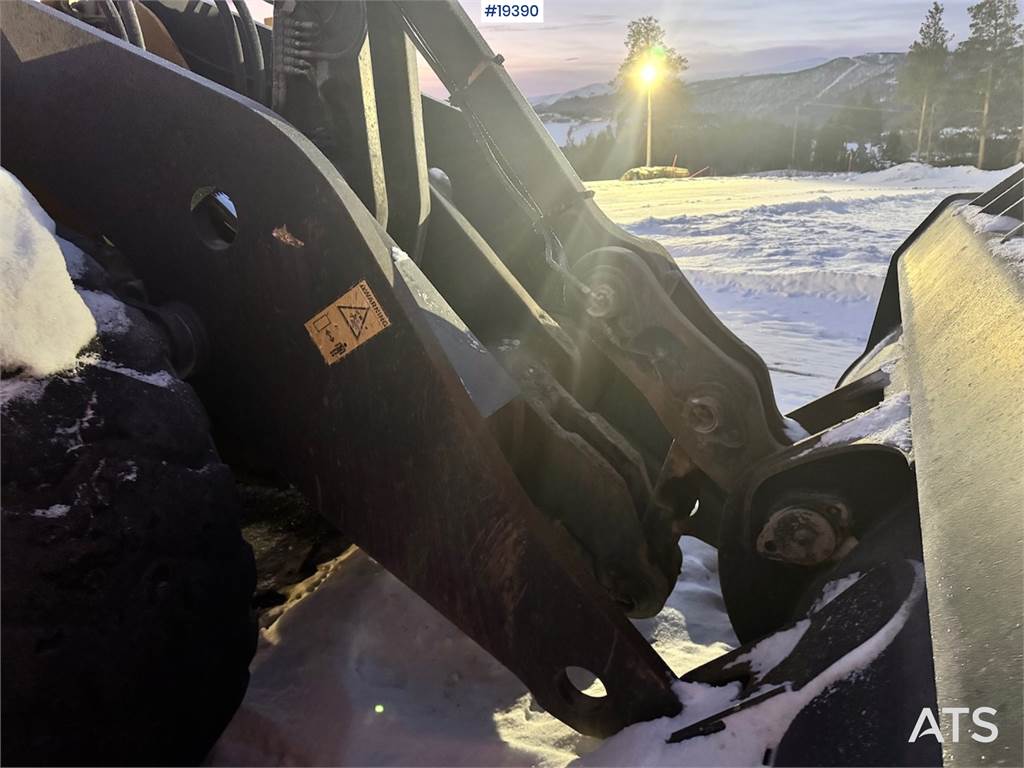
(434, 502)
(417, 314)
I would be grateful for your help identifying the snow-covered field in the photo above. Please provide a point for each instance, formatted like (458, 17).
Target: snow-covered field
(360, 671)
(793, 264)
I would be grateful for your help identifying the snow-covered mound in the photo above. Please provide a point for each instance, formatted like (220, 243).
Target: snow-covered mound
(648, 172)
(43, 321)
(46, 320)
(962, 178)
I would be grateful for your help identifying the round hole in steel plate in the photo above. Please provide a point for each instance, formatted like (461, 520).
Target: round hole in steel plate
(586, 682)
(215, 217)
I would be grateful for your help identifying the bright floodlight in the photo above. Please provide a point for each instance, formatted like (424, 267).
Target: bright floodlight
(648, 74)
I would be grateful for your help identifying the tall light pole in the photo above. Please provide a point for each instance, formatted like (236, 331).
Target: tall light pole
(648, 77)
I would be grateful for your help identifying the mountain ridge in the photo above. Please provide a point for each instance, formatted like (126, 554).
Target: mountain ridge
(842, 80)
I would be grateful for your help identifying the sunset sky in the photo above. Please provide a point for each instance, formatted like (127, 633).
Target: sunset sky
(581, 41)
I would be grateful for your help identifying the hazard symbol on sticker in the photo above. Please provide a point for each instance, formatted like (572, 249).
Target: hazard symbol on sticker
(353, 319)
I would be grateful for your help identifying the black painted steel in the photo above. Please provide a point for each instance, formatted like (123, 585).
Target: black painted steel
(486, 95)
(385, 443)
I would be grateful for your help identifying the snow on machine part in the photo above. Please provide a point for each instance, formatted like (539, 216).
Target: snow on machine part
(512, 404)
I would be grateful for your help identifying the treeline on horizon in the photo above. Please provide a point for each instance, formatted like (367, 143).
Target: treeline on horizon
(960, 105)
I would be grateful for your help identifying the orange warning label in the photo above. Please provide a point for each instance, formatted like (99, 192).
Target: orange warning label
(353, 319)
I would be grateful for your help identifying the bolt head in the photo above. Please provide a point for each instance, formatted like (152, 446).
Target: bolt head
(603, 301)
(702, 414)
(798, 535)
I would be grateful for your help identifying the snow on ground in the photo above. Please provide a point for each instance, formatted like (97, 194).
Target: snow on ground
(793, 263)
(359, 641)
(360, 671)
(752, 731)
(43, 322)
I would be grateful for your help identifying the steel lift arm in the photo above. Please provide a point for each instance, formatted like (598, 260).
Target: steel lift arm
(511, 403)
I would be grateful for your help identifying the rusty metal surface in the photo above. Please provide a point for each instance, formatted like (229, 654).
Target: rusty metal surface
(511, 194)
(870, 481)
(578, 468)
(484, 203)
(708, 401)
(385, 442)
(482, 88)
(500, 311)
(586, 476)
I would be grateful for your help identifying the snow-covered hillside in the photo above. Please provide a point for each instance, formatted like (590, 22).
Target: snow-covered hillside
(585, 92)
(360, 671)
(845, 80)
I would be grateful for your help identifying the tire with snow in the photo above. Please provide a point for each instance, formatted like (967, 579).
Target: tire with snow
(126, 585)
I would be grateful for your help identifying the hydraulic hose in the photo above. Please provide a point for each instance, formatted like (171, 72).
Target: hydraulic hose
(554, 254)
(253, 50)
(110, 11)
(130, 18)
(234, 44)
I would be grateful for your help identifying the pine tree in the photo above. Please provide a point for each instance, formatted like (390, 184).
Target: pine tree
(645, 37)
(645, 44)
(991, 58)
(894, 151)
(830, 147)
(925, 69)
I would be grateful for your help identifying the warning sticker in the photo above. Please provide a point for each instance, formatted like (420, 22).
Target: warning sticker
(343, 325)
